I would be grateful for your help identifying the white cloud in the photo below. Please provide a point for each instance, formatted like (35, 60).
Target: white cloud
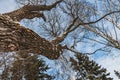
(111, 62)
(7, 5)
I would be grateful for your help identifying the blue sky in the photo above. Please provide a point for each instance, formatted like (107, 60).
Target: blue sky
(110, 61)
(7, 5)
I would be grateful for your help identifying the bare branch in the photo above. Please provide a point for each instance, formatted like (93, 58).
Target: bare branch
(112, 42)
(28, 10)
(64, 35)
(100, 18)
(80, 22)
(100, 49)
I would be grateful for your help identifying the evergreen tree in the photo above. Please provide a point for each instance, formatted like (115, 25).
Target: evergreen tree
(88, 69)
(117, 74)
(28, 67)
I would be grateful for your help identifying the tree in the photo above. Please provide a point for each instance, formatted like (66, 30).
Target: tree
(26, 66)
(81, 22)
(117, 74)
(87, 69)
(19, 42)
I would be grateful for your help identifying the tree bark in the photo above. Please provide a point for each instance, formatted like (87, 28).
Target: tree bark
(31, 11)
(14, 37)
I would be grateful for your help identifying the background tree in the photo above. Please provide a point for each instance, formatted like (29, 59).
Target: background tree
(117, 74)
(26, 66)
(86, 69)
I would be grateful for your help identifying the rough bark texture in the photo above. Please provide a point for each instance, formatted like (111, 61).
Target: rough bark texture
(14, 37)
(31, 11)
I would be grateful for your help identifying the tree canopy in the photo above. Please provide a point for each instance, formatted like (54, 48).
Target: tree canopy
(65, 24)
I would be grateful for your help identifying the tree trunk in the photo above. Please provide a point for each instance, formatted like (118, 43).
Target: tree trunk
(14, 37)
